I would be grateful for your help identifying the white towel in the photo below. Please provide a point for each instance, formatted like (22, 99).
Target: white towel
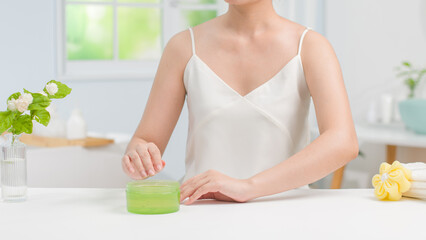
(416, 193)
(418, 175)
(415, 165)
(418, 185)
(418, 170)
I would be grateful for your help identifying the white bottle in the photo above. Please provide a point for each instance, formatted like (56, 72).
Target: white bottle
(387, 108)
(76, 126)
(372, 113)
(56, 128)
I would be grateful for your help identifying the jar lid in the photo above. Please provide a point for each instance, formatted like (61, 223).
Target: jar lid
(152, 186)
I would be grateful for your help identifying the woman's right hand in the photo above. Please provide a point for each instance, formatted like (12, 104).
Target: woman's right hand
(142, 160)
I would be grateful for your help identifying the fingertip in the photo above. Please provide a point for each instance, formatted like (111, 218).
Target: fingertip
(183, 198)
(158, 167)
(163, 162)
(191, 200)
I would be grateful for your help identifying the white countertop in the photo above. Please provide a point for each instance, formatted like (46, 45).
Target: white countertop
(390, 134)
(75, 213)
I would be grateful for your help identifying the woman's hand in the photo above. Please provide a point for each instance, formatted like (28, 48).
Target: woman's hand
(141, 160)
(215, 185)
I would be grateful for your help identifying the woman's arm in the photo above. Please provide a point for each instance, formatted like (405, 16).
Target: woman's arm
(337, 143)
(335, 147)
(165, 102)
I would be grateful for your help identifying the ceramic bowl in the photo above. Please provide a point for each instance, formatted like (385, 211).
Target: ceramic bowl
(413, 114)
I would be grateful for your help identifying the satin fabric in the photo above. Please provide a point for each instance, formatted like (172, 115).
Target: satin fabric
(241, 136)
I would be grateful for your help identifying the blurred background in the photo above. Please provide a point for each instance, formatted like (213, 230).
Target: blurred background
(107, 51)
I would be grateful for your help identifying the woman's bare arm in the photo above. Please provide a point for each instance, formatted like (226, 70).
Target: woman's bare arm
(165, 102)
(337, 143)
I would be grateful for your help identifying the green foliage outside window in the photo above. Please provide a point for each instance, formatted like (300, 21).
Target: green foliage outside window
(90, 29)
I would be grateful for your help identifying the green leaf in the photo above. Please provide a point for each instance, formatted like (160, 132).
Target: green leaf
(63, 90)
(6, 119)
(410, 83)
(39, 102)
(14, 96)
(22, 124)
(404, 73)
(421, 73)
(42, 116)
(407, 64)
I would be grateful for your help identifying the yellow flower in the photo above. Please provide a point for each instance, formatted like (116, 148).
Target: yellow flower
(392, 181)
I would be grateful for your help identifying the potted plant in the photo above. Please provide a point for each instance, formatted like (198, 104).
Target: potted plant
(413, 109)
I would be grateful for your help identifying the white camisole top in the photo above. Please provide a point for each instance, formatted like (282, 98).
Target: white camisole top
(241, 136)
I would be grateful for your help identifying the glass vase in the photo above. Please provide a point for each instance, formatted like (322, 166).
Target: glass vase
(13, 170)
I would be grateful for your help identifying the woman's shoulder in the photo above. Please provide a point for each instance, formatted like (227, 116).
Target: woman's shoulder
(182, 40)
(180, 44)
(178, 49)
(295, 30)
(315, 44)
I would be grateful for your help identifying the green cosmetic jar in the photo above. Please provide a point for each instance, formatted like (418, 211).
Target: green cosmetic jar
(153, 196)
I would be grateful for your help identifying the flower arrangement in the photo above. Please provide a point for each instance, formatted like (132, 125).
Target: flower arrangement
(392, 181)
(23, 108)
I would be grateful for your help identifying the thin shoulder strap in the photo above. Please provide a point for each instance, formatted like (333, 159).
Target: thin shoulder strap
(301, 40)
(192, 41)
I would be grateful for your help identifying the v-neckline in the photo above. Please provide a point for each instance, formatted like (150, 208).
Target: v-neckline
(254, 89)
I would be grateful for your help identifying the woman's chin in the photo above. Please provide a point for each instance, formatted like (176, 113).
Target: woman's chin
(240, 2)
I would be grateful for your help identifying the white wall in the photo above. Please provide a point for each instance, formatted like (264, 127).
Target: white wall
(27, 59)
(370, 39)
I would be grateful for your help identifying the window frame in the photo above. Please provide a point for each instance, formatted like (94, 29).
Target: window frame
(116, 69)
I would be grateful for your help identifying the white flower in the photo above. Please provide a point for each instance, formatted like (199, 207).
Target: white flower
(52, 88)
(27, 97)
(11, 104)
(43, 93)
(22, 104)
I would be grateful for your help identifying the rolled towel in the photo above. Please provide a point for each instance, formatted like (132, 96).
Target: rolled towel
(418, 180)
(418, 171)
(418, 175)
(418, 185)
(415, 193)
(415, 165)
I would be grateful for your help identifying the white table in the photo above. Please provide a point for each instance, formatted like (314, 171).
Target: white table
(92, 167)
(73, 213)
(392, 135)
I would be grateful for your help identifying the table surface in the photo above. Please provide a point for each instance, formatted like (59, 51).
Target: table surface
(390, 134)
(75, 213)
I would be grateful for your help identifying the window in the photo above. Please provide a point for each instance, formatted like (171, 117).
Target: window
(122, 39)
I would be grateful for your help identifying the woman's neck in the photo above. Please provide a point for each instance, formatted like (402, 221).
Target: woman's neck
(250, 18)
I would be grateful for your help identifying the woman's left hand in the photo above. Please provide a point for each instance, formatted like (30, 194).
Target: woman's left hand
(215, 185)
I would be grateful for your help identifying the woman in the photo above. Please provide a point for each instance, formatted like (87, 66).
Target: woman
(248, 76)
